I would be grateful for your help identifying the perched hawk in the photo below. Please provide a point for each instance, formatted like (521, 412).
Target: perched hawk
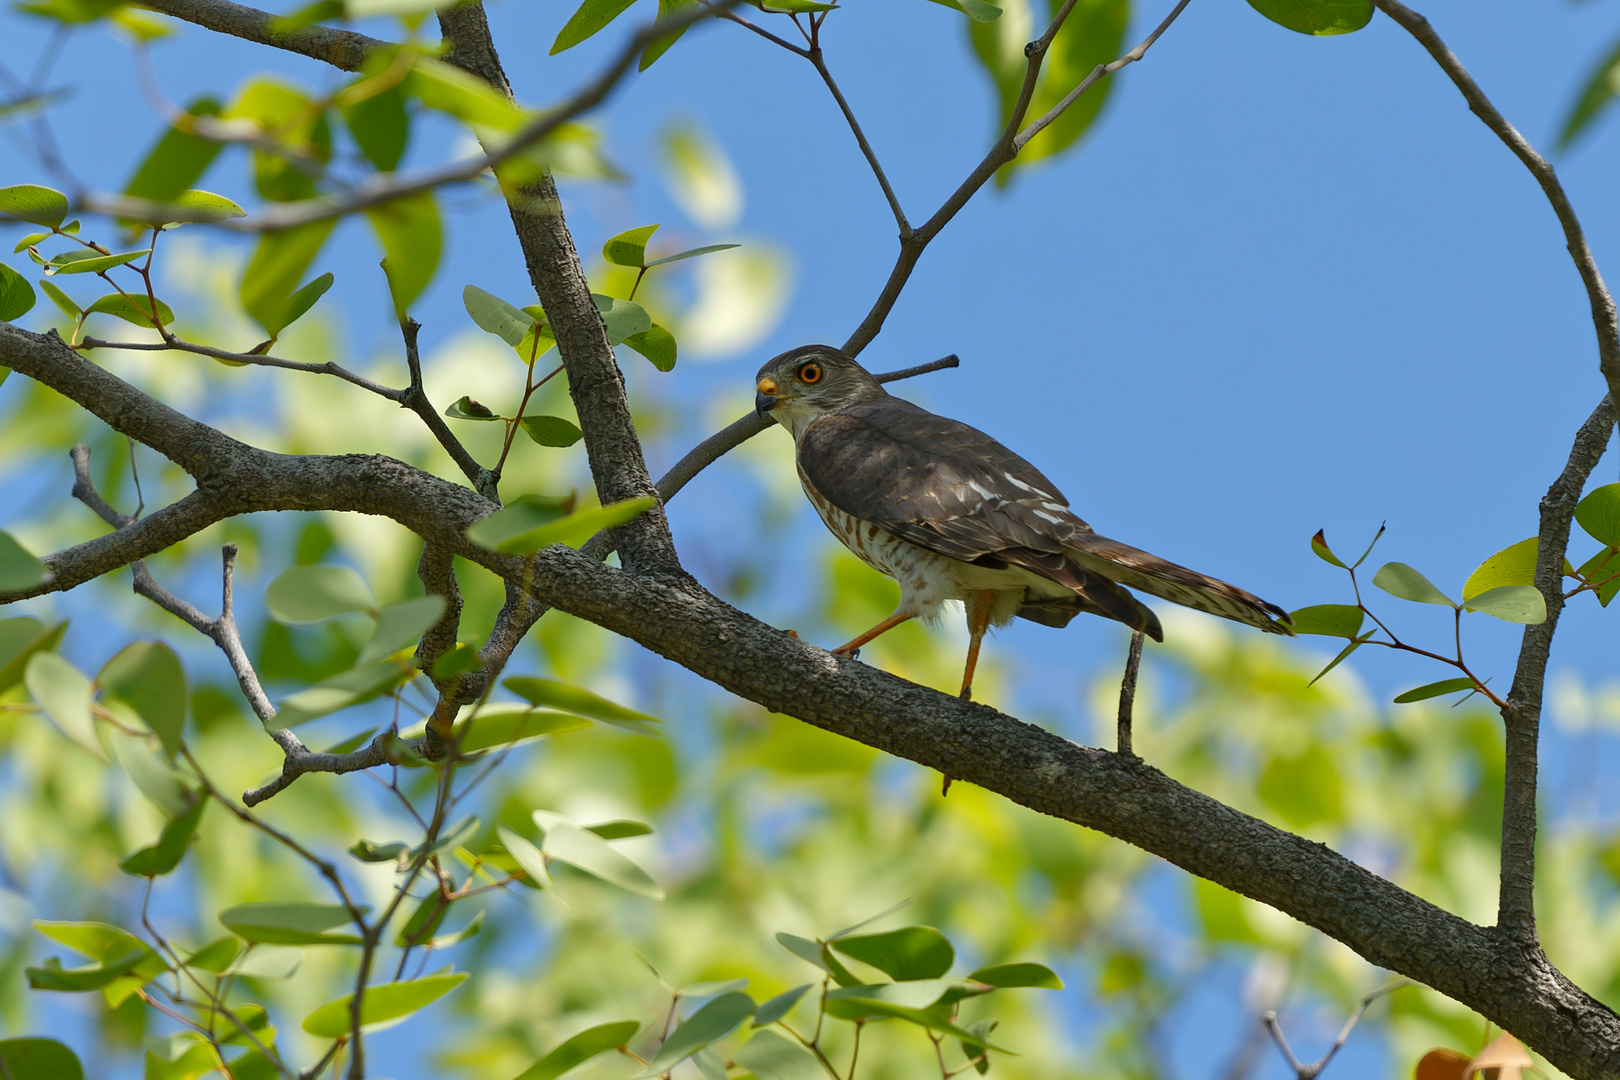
(951, 514)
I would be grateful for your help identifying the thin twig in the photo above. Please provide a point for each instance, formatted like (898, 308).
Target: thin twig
(1127, 695)
(251, 359)
(415, 398)
(815, 57)
(1310, 1072)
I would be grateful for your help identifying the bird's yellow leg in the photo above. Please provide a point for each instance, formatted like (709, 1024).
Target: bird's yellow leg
(978, 620)
(883, 627)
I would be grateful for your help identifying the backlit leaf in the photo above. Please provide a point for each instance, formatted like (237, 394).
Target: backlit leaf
(289, 924)
(1318, 17)
(162, 857)
(384, 1004)
(495, 316)
(380, 126)
(715, 1020)
(412, 240)
(18, 568)
(148, 676)
(657, 345)
(659, 46)
(629, 248)
(90, 261)
(34, 204)
(132, 308)
(1402, 581)
(551, 430)
(448, 89)
(553, 694)
(1599, 514)
(305, 297)
(64, 692)
(584, 850)
(1513, 565)
(272, 275)
(498, 530)
(1602, 83)
(16, 295)
(177, 160)
(578, 1049)
(62, 300)
(1603, 570)
(1329, 620)
(692, 254)
(590, 17)
(399, 625)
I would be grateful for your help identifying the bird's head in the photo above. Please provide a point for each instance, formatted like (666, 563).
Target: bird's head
(804, 383)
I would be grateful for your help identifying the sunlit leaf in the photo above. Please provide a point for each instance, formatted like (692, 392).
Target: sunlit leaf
(1512, 603)
(551, 693)
(590, 17)
(657, 345)
(1603, 570)
(659, 46)
(551, 430)
(18, 568)
(448, 89)
(1318, 17)
(399, 625)
(272, 275)
(530, 859)
(623, 318)
(412, 240)
(1302, 789)
(306, 594)
(162, 857)
(1344, 654)
(499, 530)
(584, 850)
(1329, 620)
(495, 316)
(1602, 83)
(1319, 545)
(305, 297)
(629, 248)
(1402, 581)
(578, 1049)
(770, 1056)
(90, 261)
(132, 308)
(1599, 514)
(148, 676)
(289, 924)
(1513, 565)
(64, 692)
(62, 300)
(382, 1005)
(1434, 689)
(34, 204)
(217, 956)
(912, 952)
(715, 1020)
(380, 125)
(16, 295)
(177, 160)
(1006, 976)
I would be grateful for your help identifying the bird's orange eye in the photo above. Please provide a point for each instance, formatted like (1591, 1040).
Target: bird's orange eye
(810, 373)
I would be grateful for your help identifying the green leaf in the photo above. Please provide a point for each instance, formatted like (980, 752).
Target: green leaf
(101, 942)
(495, 316)
(289, 924)
(148, 769)
(448, 89)
(788, 7)
(1093, 34)
(30, 240)
(805, 949)
(19, 569)
(1606, 573)
(530, 859)
(629, 248)
(551, 430)
(1600, 89)
(386, 1004)
(913, 994)
(1006, 976)
(553, 694)
(770, 1056)
(912, 952)
(977, 10)
(177, 160)
(621, 829)
(20, 639)
(1513, 565)
(871, 1006)
(623, 318)
(592, 16)
(61, 299)
(458, 661)
(399, 625)
(268, 962)
(715, 1020)
(161, 858)
(581, 1048)
(64, 692)
(1319, 545)
(771, 1011)
(35, 1058)
(659, 46)
(1317, 17)
(133, 308)
(510, 724)
(412, 240)
(1355, 643)
(379, 124)
(1599, 514)
(657, 345)
(16, 295)
(367, 851)
(346, 688)
(304, 299)
(1329, 620)
(278, 263)
(1400, 580)
(216, 956)
(194, 205)
(423, 922)
(90, 261)
(307, 594)
(444, 941)
(148, 676)
(583, 850)
(1512, 603)
(34, 204)
(465, 408)
(1434, 689)
(692, 254)
(505, 530)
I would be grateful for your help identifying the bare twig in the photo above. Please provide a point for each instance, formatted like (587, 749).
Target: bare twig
(816, 57)
(1311, 1071)
(416, 399)
(1604, 318)
(1127, 695)
(252, 359)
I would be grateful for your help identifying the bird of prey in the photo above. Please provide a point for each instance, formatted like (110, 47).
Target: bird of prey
(951, 514)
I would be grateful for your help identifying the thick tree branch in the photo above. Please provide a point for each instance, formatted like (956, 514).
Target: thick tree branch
(669, 613)
(1516, 911)
(343, 49)
(1604, 318)
(594, 380)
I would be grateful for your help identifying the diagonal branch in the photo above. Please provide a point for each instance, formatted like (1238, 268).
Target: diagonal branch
(1604, 318)
(343, 49)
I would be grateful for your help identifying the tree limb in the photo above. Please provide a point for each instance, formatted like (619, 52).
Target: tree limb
(343, 49)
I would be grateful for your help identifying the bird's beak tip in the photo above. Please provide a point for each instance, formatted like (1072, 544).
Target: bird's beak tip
(765, 396)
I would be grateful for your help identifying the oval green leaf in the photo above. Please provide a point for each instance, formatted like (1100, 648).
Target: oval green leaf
(912, 952)
(19, 569)
(177, 161)
(715, 1020)
(1005, 976)
(1603, 570)
(566, 697)
(584, 850)
(272, 275)
(1329, 620)
(579, 1049)
(1434, 689)
(162, 857)
(132, 308)
(386, 1004)
(628, 248)
(530, 859)
(289, 924)
(64, 692)
(35, 1058)
(1402, 581)
(64, 303)
(1320, 18)
(500, 532)
(412, 239)
(590, 17)
(1513, 565)
(770, 1056)
(623, 318)
(399, 625)
(1512, 603)
(34, 204)
(551, 430)
(771, 1011)
(89, 261)
(657, 345)
(16, 295)
(304, 299)
(307, 594)
(147, 675)
(495, 316)
(1599, 514)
